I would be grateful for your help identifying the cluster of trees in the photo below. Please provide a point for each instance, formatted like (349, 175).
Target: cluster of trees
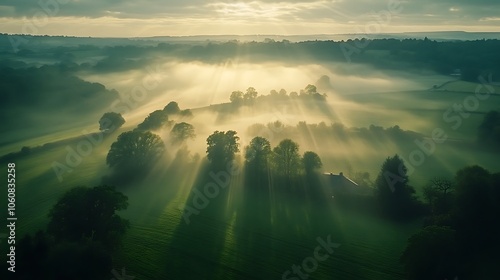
(135, 152)
(172, 108)
(460, 235)
(338, 131)
(283, 160)
(247, 98)
(251, 95)
(160, 118)
(155, 121)
(83, 234)
(460, 239)
(471, 57)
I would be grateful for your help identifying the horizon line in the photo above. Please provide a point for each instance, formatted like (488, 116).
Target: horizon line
(256, 34)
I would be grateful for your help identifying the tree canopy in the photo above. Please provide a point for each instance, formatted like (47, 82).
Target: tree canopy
(182, 132)
(286, 158)
(111, 121)
(396, 197)
(89, 214)
(135, 149)
(236, 97)
(462, 239)
(311, 162)
(83, 233)
(250, 95)
(172, 108)
(257, 153)
(431, 254)
(154, 121)
(222, 147)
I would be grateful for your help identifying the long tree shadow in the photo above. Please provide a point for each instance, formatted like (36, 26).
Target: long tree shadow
(198, 241)
(278, 225)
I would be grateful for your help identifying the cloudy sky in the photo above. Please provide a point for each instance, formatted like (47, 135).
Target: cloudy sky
(140, 18)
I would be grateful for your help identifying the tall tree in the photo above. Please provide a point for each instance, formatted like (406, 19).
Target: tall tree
(182, 132)
(236, 97)
(257, 154)
(311, 161)
(89, 214)
(477, 211)
(286, 158)
(439, 195)
(135, 149)
(396, 198)
(222, 147)
(250, 96)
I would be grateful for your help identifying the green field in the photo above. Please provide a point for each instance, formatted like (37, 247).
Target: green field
(239, 236)
(244, 234)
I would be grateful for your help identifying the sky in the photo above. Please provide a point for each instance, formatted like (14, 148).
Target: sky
(144, 18)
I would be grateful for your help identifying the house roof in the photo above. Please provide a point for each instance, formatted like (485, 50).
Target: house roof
(341, 181)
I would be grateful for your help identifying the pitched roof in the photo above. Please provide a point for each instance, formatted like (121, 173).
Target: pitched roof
(342, 182)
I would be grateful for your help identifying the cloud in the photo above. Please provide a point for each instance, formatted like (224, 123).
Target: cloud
(256, 16)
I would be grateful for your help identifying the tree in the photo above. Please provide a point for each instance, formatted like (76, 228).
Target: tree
(311, 89)
(250, 95)
(286, 158)
(236, 97)
(154, 121)
(172, 108)
(111, 121)
(431, 254)
(221, 147)
(477, 211)
(135, 149)
(311, 162)
(89, 214)
(396, 198)
(438, 195)
(182, 132)
(257, 153)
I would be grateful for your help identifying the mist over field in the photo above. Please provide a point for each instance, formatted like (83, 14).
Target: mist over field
(235, 158)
